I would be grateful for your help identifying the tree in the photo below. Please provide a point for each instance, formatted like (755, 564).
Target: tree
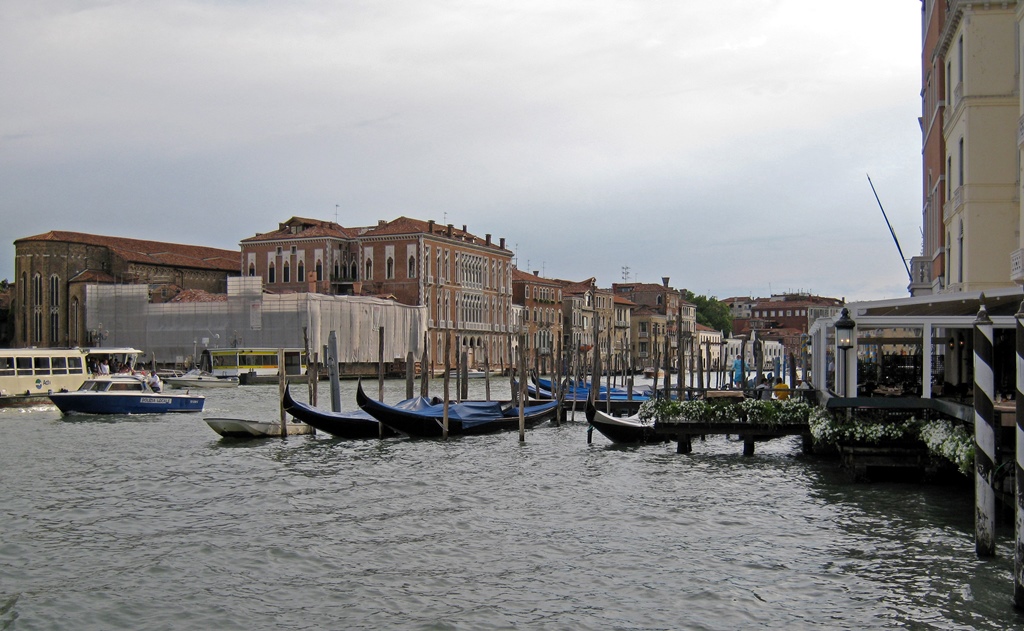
(711, 312)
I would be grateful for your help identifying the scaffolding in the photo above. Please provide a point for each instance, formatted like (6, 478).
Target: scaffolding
(176, 333)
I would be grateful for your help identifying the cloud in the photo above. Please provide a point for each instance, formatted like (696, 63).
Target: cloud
(662, 136)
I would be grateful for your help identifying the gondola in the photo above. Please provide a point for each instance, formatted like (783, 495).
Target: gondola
(466, 418)
(628, 429)
(354, 424)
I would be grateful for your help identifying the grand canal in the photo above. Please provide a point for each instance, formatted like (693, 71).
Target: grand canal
(157, 523)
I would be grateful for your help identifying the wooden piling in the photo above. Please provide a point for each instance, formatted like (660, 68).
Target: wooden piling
(522, 389)
(281, 385)
(1018, 557)
(380, 363)
(447, 382)
(985, 454)
(410, 370)
(487, 373)
(331, 358)
(424, 370)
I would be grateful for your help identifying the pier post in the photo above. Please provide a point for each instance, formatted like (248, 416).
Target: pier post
(984, 436)
(748, 445)
(1018, 560)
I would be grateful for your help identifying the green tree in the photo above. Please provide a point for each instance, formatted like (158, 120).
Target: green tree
(711, 312)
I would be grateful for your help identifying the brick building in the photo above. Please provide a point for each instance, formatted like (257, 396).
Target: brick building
(53, 269)
(465, 281)
(541, 299)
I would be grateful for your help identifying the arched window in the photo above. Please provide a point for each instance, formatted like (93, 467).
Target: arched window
(302, 273)
(355, 271)
(271, 274)
(369, 270)
(252, 269)
(389, 268)
(319, 270)
(74, 325)
(412, 267)
(286, 273)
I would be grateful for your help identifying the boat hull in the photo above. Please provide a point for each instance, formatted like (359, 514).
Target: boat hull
(628, 430)
(354, 425)
(118, 403)
(431, 424)
(245, 428)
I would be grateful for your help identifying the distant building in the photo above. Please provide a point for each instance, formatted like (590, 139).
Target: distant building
(541, 300)
(53, 269)
(465, 281)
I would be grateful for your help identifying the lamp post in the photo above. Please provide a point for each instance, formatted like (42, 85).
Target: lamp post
(844, 341)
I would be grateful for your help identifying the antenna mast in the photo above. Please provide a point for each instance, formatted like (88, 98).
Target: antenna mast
(910, 276)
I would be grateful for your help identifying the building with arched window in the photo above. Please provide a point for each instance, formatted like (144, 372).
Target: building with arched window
(53, 269)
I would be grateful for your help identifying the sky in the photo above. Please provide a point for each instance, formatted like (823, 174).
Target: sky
(726, 145)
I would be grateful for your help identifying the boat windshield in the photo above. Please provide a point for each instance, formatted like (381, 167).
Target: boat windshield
(94, 386)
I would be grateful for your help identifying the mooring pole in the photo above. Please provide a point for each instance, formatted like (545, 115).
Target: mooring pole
(1018, 560)
(984, 437)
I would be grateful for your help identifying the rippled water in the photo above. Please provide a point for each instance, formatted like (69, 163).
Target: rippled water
(157, 523)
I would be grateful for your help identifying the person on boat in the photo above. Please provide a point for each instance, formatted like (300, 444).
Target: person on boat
(781, 389)
(154, 382)
(763, 390)
(104, 367)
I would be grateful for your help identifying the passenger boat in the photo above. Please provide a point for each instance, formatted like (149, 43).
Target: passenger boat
(628, 429)
(29, 375)
(252, 365)
(196, 378)
(468, 417)
(246, 428)
(354, 424)
(123, 394)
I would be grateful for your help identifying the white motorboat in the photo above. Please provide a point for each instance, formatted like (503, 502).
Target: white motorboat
(196, 378)
(246, 428)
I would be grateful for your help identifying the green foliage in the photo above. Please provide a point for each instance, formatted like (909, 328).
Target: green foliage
(945, 439)
(769, 412)
(711, 312)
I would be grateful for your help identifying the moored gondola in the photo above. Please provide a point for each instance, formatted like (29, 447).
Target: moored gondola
(354, 424)
(466, 418)
(629, 429)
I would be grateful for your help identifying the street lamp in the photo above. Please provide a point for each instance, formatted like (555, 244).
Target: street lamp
(844, 341)
(844, 330)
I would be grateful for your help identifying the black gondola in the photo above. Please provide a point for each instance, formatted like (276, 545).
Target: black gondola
(354, 424)
(629, 429)
(466, 418)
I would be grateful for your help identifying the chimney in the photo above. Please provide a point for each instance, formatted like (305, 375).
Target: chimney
(381, 222)
(488, 239)
(536, 272)
(501, 243)
(664, 281)
(450, 228)
(464, 228)
(430, 227)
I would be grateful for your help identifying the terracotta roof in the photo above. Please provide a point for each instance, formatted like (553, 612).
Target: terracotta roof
(308, 228)
(198, 295)
(408, 225)
(92, 276)
(150, 252)
(620, 300)
(521, 276)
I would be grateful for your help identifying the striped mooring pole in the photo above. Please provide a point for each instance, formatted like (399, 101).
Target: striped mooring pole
(984, 437)
(1018, 557)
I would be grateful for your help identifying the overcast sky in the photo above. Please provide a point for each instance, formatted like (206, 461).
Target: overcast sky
(724, 144)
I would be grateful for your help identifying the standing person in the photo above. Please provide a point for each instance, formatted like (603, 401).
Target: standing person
(104, 367)
(737, 372)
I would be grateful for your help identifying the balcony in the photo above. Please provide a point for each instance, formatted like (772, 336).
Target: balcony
(1017, 267)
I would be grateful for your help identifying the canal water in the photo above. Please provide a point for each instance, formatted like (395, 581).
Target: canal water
(157, 523)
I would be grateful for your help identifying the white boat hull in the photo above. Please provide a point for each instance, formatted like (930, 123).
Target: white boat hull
(245, 428)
